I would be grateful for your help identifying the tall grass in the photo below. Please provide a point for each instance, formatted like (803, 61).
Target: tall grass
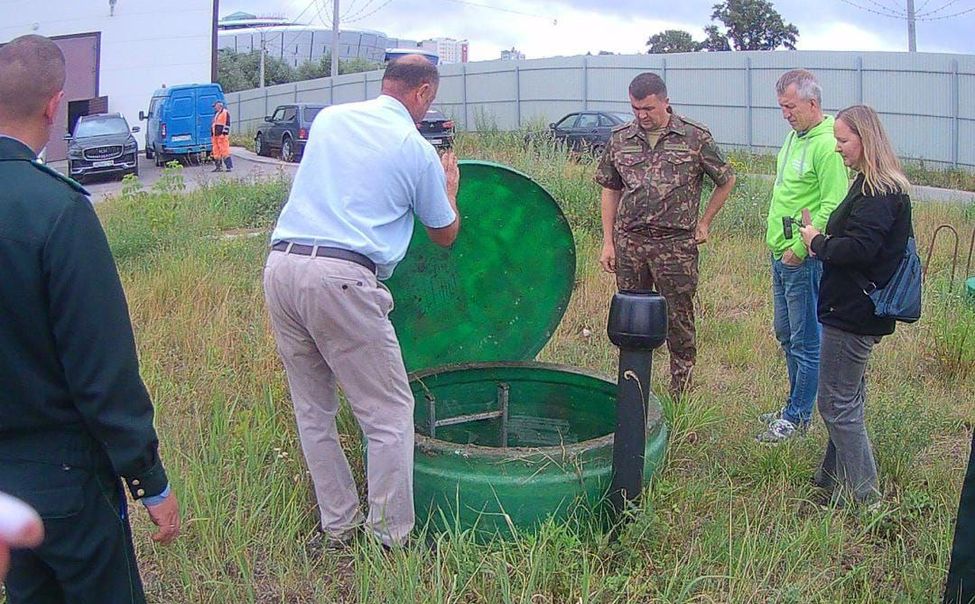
(726, 520)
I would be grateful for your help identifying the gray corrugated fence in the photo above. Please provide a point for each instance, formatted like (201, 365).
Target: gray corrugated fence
(925, 100)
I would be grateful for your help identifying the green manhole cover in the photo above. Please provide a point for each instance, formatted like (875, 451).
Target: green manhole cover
(501, 290)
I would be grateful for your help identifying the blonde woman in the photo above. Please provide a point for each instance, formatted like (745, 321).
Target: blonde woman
(864, 241)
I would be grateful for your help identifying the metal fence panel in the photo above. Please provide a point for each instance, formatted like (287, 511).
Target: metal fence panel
(924, 99)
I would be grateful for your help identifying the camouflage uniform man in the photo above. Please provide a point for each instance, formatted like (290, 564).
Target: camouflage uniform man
(651, 174)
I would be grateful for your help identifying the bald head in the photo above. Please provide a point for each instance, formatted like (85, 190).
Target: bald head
(31, 73)
(412, 80)
(409, 72)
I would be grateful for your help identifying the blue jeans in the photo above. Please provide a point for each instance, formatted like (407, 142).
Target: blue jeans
(795, 290)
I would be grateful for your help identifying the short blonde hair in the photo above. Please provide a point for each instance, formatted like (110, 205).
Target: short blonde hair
(882, 171)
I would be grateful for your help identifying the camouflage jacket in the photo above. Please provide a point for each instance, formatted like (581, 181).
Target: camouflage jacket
(661, 185)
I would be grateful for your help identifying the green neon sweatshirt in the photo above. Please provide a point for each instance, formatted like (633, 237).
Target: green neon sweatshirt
(809, 174)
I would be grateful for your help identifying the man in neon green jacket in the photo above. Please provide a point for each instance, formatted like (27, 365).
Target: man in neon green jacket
(810, 175)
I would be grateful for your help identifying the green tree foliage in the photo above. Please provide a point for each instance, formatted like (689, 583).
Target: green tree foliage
(241, 71)
(672, 40)
(715, 41)
(357, 65)
(751, 25)
(322, 68)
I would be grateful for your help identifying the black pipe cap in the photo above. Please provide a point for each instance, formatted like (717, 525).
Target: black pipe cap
(638, 320)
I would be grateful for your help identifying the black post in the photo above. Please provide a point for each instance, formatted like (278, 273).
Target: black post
(637, 325)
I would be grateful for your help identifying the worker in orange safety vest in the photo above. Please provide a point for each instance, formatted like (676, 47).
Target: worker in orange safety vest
(220, 133)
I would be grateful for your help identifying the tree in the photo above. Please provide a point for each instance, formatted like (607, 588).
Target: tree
(322, 68)
(716, 41)
(311, 70)
(752, 25)
(356, 65)
(672, 40)
(240, 71)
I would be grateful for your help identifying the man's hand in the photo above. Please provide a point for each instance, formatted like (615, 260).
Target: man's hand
(452, 172)
(702, 232)
(166, 517)
(607, 258)
(789, 258)
(20, 526)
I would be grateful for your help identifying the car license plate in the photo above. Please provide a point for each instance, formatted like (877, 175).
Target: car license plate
(182, 138)
(103, 164)
(435, 141)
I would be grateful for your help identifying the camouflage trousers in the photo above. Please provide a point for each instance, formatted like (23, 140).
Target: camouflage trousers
(667, 265)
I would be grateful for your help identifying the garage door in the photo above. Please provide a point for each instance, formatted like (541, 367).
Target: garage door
(81, 53)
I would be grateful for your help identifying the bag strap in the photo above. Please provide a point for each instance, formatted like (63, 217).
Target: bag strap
(869, 286)
(863, 283)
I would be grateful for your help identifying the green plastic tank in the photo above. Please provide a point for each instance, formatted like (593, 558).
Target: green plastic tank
(502, 442)
(970, 289)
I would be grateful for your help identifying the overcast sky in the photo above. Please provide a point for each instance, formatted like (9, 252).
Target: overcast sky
(545, 28)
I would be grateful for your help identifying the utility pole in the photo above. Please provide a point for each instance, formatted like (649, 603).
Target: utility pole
(335, 39)
(263, 52)
(911, 32)
(215, 43)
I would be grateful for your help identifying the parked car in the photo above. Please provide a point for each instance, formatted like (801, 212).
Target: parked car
(438, 129)
(286, 131)
(102, 144)
(178, 121)
(587, 130)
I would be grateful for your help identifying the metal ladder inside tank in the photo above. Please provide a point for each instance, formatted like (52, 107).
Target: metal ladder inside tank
(504, 392)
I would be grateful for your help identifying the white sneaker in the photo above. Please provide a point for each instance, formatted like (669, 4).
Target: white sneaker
(780, 430)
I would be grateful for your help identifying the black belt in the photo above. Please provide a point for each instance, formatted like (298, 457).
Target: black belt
(325, 252)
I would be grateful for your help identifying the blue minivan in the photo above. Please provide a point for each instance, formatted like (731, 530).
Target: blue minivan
(179, 119)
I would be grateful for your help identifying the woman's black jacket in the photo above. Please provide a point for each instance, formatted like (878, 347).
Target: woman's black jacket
(863, 244)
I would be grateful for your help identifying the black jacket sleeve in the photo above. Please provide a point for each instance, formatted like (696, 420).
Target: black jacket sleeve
(867, 226)
(93, 336)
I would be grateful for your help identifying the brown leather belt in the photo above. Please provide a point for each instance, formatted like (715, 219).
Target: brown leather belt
(325, 252)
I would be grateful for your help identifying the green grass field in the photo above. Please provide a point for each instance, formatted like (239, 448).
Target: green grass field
(726, 520)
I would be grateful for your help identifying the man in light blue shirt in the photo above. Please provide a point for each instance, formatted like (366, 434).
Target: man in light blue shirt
(365, 173)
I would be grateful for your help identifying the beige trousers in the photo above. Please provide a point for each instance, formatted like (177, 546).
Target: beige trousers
(331, 325)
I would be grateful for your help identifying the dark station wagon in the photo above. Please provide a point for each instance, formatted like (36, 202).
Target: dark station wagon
(286, 131)
(587, 130)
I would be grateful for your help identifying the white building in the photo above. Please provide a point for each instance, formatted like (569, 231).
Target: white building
(512, 55)
(296, 43)
(118, 51)
(448, 49)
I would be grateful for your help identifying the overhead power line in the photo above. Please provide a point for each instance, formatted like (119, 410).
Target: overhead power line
(947, 9)
(498, 8)
(364, 12)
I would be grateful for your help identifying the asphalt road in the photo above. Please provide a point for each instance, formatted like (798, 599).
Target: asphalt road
(247, 166)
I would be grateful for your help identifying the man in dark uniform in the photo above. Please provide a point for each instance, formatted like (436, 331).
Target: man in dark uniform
(75, 416)
(960, 585)
(651, 173)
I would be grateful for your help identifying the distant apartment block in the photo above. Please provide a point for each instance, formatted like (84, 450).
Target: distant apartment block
(512, 55)
(448, 49)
